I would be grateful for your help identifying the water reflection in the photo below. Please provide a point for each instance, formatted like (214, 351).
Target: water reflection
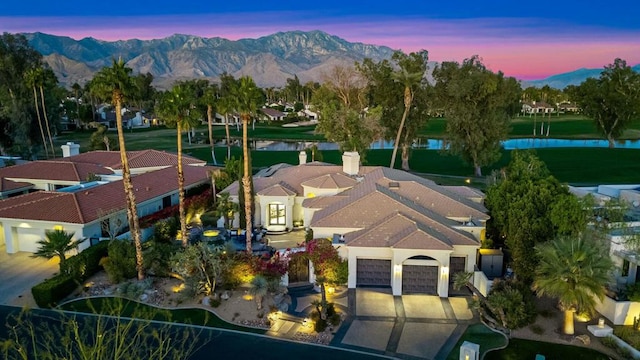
(438, 144)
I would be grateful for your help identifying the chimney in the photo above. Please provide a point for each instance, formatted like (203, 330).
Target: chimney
(351, 162)
(302, 157)
(70, 149)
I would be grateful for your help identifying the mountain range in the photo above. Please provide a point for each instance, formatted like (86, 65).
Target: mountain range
(269, 60)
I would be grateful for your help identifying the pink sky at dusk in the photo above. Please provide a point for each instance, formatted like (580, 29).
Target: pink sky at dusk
(526, 48)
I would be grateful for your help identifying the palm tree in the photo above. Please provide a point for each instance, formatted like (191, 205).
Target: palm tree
(409, 80)
(115, 82)
(177, 108)
(57, 243)
(210, 97)
(225, 105)
(41, 82)
(76, 94)
(574, 270)
(32, 76)
(248, 97)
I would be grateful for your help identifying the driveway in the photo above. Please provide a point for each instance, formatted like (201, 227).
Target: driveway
(19, 273)
(407, 327)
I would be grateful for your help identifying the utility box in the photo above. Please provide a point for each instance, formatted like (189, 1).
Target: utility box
(490, 262)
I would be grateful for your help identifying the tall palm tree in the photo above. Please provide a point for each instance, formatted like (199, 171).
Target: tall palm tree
(76, 94)
(409, 80)
(225, 106)
(210, 98)
(574, 270)
(41, 80)
(247, 97)
(32, 79)
(115, 82)
(57, 243)
(177, 107)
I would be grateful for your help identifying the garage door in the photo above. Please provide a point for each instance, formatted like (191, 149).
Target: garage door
(418, 279)
(457, 264)
(28, 239)
(372, 272)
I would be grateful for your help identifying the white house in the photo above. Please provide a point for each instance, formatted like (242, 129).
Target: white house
(396, 229)
(56, 194)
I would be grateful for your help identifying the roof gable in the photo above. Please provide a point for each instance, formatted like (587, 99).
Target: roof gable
(331, 181)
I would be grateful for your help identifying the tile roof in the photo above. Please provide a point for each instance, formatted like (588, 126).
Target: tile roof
(137, 159)
(465, 191)
(54, 170)
(8, 185)
(320, 202)
(331, 181)
(88, 205)
(279, 189)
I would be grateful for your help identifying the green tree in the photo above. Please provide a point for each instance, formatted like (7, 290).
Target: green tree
(31, 77)
(200, 267)
(523, 208)
(57, 243)
(177, 108)
(612, 101)
(76, 95)
(227, 104)
(574, 270)
(479, 105)
(248, 98)
(115, 83)
(328, 268)
(210, 98)
(400, 114)
(225, 208)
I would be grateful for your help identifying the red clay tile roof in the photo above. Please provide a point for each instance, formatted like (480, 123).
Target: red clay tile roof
(8, 185)
(52, 170)
(137, 159)
(88, 205)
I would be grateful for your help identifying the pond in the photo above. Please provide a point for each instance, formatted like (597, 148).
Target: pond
(438, 144)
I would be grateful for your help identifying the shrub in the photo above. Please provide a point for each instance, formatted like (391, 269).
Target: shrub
(209, 219)
(134, 289)
(165, 230)
(157, 257)
(49, 292)
(239, 272)
(121, 261)
(333, 318)
(214, 303)
(609, 342)
(512, 302)
(86, 263)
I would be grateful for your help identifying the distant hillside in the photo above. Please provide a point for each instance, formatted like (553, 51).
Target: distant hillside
(576, 77)
(269, 60)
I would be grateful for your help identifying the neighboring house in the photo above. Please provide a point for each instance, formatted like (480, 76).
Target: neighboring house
(625, 255)
(272, 114)
(537, 107)
(308, 114)
(567, 107)
(55, 194)
(396, 229)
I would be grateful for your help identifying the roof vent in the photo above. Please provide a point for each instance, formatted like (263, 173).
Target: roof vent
(148, 188)
(394, 185)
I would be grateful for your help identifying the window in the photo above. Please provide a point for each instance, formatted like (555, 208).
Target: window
(277, 214)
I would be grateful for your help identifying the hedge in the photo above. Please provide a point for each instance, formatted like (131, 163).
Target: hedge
(76, 269)
(86, 263)
(49, 292)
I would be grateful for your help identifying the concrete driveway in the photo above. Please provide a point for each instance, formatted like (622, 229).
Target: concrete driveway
(408, 326)
(19, 273)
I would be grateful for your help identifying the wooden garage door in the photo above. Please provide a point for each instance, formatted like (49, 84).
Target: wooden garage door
(418, 279)
(373, 272)
(457, 264)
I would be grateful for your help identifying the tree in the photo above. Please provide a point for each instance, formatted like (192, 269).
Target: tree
(612, 101)
(115, 83)
(76, 95)
(210, 98)
(525, 208)
(200, 267)
(32, 76)
(478, 106)
(46, 76)
(178, 109)
(225, 208)
(57, 243)
(574, 270)
(248, 97)
(227, 103)
(56, 335)
(328, 268)
(400, 114)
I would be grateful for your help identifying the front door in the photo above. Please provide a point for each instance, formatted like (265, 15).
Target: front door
(298, 270)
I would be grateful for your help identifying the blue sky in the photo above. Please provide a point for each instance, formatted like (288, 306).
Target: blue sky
(528, 40)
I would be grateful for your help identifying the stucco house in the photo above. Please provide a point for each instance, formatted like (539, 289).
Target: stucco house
(84, 194)
(269, 114)
(396, 229)
(537, 107)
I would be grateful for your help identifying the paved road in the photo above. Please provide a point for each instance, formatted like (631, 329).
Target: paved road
(19, 273)
(225, 344)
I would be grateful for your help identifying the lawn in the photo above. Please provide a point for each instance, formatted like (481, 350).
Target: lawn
(128, 308)
(527, 349)
(478, 334)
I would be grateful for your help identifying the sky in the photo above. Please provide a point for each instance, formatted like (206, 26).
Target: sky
(525, 39)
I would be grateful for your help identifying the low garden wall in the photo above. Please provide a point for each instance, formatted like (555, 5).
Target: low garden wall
(618, 312)
(481, 282)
